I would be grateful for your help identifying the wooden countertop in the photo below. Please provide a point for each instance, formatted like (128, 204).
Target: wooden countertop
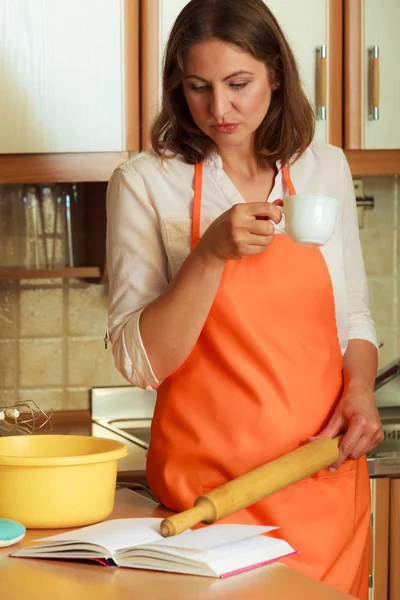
(31, 579)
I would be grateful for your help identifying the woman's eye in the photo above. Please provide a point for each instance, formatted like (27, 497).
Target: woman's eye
(238, 86)
(199, 88)
(204, 88)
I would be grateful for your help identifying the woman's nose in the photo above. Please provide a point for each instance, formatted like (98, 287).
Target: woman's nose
(219, 105)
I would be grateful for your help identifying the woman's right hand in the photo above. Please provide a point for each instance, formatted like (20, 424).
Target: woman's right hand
(242, 230)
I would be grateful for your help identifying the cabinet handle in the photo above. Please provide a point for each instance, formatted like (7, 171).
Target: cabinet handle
(321, 83)
(373, 91)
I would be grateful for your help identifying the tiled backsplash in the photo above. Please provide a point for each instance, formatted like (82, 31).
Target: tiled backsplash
(51, 343)
(51, 331)
(380, 239)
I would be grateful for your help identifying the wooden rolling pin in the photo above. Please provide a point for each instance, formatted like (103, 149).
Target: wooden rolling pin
(255, 485)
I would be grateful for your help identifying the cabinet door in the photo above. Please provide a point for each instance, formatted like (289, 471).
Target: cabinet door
(394, 582)
(62, 73)
(320, 27)
(312, 26)
(372, 80)
(380, 489)
(381, 32)
(156, 20)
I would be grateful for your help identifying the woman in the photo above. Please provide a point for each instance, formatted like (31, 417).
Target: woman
(254, 344)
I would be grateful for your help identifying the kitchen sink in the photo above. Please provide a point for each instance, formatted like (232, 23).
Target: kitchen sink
(134, 430)
(388, 448)
(137, 430)
(385, 458)
(126, 411)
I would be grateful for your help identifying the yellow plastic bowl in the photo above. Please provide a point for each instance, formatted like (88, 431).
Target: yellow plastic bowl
(58, 481)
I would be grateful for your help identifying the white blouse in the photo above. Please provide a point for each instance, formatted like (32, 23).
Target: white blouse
(148, 238)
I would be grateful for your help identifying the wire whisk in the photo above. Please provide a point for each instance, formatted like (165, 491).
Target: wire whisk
(25, 416)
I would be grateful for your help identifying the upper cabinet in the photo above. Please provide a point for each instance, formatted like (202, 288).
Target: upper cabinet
(318, 50)
(348, 53)
(156, 20)
(72, 106)
(317, 46)
(69, 76)
(372, 74)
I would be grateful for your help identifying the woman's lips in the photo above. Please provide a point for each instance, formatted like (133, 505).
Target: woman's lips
(226, 127)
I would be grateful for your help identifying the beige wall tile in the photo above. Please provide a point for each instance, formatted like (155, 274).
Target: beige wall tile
(388, 352)
(8, 397)
(397, 347)
(73, 282)
(41, 363)
(41, 312)
(87, 310)
(8, 364)
(398, 247)
(77, 399)
(397, 301)
(383, 191)
(46, 399)
(8, 309)
(89, 364)
(34, 283)
(381, 292)
(377, 247)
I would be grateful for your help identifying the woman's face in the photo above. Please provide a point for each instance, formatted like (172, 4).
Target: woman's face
(228, 92)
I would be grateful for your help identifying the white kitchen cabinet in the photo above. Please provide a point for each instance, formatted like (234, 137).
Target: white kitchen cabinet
(306, 24)
(381, 32)
(372, 75)
(156, 20)
(64, 78)
(321, 28)
(168, 11)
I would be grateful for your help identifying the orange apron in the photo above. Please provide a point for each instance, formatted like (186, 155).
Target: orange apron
(263, 377)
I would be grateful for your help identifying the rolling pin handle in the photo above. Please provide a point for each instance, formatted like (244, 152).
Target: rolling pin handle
(209, 508)
(202, 511)
(338, 439)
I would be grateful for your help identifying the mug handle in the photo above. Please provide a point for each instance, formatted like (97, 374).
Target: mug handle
(279, 227)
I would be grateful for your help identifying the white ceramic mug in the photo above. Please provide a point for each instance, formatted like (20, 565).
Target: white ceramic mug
(309, 220)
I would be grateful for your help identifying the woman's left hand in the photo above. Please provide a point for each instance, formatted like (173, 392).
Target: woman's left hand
(357, 415)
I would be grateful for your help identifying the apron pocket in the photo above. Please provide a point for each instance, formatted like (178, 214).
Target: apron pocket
(315, 515)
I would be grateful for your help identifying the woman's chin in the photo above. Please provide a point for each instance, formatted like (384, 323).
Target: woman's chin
(230, 141)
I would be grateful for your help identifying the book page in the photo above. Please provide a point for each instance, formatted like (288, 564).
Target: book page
(213, 536)
(253, 552)
(112, 535)
(121, 534)
(219, 561)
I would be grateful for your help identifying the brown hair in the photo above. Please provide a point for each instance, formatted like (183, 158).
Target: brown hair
(288, 127)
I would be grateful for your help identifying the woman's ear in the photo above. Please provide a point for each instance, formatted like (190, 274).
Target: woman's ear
(274, 79)
(275, 85)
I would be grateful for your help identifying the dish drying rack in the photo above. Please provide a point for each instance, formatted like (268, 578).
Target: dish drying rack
(25, 417)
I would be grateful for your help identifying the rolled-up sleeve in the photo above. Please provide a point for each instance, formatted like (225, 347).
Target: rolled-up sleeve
(137, 267)
(360, 322)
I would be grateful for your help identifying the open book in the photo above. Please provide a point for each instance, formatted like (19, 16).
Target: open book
(213, 551)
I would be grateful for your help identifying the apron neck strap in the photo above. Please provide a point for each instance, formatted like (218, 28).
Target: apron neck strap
(198, 185)
(196, 212)
(288, 181)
